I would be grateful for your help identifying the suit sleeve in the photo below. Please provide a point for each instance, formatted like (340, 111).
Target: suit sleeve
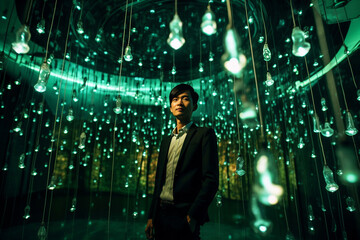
(210, 177)
(152, 209)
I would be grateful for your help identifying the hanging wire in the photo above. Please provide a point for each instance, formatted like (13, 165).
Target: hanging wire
(53, 131)
(255, 76)
(122, 47)
(292, 13)
(114, 132)
(28, 13)
(130, 22)
(265, 32)
(7, 26)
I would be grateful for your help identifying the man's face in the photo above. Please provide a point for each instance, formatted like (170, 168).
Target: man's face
(182, 106)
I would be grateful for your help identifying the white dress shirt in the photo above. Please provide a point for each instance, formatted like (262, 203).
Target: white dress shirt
(177, 141)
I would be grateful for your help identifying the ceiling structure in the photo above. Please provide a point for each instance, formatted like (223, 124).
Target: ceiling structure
(145, 82)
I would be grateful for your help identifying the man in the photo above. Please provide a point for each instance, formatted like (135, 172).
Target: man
(187, 175)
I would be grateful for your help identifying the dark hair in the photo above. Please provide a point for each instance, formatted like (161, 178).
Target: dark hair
(181, 88)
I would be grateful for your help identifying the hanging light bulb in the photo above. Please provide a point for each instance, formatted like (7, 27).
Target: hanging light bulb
(82, 140)
(173, 70)
(208, 25)
(40, 27)
(301, 143)
(266, 53)
(350, 204)
(267, 191)
(327, 131)
(44, 75)
(323, 105)
(118, 109)
(234, 61)
(70, 115)
(52, 184)
(41, 108)
(99, 35)
(55, 86)
(311, 216)
(348, 164)
(73, 205)
(300, 46)
(358, 95)
(260, 225)
(128, 56)
(26, 212)
(269, 81)
(17, 127)
(74, 96)
(218, 199)
(316, 123)
(23, 36)
(80, 28)
(42, 233)
(2, 60)
(176, 39)
(201, 68)
(350, 126)
(331, 185)
(239, 166)
(21, 164)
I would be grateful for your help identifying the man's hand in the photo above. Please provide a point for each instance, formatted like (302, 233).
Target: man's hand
(188, 219)
(149, 230)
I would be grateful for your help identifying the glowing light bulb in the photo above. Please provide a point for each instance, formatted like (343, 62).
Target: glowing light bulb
(27, 212)
(79, 26)
(42, 233)
(44, 75)
(41, 108)
(70, 115)
(176, 39)
(358, 94)
(128, 56)
(208, 25)
(52, 184)
(350, 204)
(201, 68)
(269, 81)
(40, 27)
(118, 109)
(234, 61)
(99, 35)
(266, 53)
(350, 126)
(327, 131)
(323, 105)
(173, 70)
(300, 46)
(74, 96)
(316, 123)
(17, 127)
(82, 140)
(218, 200)
(21, 164)
(23, 36)
(331, 185)
(73, 205)
(239, 166)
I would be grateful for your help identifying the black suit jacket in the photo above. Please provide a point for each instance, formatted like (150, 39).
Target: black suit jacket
(196, 175)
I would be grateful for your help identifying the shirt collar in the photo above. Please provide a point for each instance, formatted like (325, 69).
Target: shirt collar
(183, 130)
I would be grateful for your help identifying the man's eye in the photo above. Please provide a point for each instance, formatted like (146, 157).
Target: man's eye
(174, 99)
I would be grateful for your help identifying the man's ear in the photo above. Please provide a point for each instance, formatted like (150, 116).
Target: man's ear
(195, 107)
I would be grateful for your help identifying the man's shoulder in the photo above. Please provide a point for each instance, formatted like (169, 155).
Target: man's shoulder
(204, 129)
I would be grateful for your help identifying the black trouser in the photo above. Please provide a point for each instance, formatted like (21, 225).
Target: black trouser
(171, 224)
